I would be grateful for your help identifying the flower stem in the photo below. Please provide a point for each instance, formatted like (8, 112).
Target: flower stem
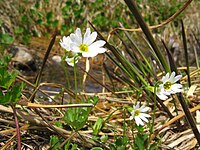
(75, 81)
(17, 128)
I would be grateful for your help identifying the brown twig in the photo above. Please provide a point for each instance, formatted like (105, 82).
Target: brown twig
(185, 5)
(173, 120)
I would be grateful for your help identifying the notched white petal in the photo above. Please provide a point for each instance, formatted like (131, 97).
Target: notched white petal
(92, 37)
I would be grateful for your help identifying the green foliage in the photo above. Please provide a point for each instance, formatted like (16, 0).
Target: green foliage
(104, 138)
(97, 126)
(160, 10)
(4, 61)
(140, 141)
(6, 38)
(10, 92)
(77, 117)
(55, 143)
(6, 78)
(120, 143)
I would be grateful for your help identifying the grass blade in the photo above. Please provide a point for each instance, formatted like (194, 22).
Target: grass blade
(132, 6)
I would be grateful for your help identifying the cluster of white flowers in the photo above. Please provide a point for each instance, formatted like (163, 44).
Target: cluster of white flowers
(168, 86)
(139, 115)
(77, 45)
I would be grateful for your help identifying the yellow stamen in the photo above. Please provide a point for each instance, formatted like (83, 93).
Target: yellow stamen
(167, 85)
(137, 113)
(84, 47)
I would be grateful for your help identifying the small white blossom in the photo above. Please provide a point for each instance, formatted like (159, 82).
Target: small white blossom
(160, 93)
(71, 58)
(86, 45)
(169, 86)
(139, 114)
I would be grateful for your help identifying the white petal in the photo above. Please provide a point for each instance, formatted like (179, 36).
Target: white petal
(89, 54)
(167, 92)
(101, 50)
(172, 76)
(65, 43)
(144, 118)
(78, 33)
(144, 115)
(162, 96)
(77, 37)
(97, 50)
(137, 106)
(176, 88)
(145, 109)
(142, 107)
(131, 117)
(86, 35)
(177, 78)
(98, 43)
(138, 121)
(92, 37)
(165, 78)
(75, 49)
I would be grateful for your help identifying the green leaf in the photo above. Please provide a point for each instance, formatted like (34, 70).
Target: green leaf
(6, 39)
(140, 140)
(24, 19)
(6, 78)
(49, 16)
(55, 23)
(140, 128)
(4, 61)
(77, 117)
(122, 141)
(74, 147)
(54, 142)
(19, 30)
(104, 138)
(58, 124)
(16, 92)
(97, 126)
(3, 99)
(112, 146)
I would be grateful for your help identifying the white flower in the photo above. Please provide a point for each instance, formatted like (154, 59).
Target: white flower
(72, 59)
(70, 56)
(169, 85)
(66, 43)
(160, 94)
(139, 114)
(86, 45)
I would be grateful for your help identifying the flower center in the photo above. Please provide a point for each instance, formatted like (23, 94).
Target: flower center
(83, 47)
(167, 85)
(137, 113)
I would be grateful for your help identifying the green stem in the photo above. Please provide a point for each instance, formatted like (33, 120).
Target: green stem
(186, 53)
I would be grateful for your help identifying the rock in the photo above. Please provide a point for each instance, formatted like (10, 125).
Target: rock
(22, 59)
(56, 59)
